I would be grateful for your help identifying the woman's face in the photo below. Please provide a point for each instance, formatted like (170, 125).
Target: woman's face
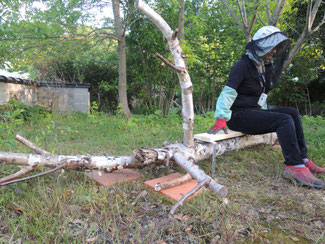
(270, 54)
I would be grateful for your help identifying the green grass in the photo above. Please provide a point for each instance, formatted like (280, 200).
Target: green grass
(68, 207)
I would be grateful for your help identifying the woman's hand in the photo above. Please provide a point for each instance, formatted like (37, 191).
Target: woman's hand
(219, 125)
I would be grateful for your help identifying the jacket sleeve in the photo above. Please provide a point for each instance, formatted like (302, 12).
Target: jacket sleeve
(224, 103)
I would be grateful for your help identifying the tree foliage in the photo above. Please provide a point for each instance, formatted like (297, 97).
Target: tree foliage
(58, 42)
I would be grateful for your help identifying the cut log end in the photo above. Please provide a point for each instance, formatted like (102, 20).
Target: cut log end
(223, 192)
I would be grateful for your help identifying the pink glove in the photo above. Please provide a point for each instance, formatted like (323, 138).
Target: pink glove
(220, 124)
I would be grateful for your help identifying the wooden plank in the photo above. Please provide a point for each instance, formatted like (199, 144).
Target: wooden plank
(217, 137)
(110, 179)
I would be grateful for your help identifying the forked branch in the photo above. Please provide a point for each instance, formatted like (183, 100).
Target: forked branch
(189, 194)
(20, 173)
(60, 166)
(10, 179)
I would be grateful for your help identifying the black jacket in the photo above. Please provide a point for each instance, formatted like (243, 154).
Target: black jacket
(245, 79)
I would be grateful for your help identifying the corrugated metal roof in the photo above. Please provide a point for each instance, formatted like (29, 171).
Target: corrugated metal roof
(8, 79)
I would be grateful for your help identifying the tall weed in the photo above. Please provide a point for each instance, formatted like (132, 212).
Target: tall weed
(9, 121)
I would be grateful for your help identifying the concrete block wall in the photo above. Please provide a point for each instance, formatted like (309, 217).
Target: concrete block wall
(4, 94)
(25, 94)
(61, 99)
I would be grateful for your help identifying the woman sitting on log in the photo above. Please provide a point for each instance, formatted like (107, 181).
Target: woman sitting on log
(242, 104)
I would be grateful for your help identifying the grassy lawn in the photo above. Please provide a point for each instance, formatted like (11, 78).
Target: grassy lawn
(68, 207)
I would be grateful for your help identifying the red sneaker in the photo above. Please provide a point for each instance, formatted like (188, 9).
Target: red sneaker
(314, 168)
(303, 176)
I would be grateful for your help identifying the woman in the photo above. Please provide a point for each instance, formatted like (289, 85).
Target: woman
(242, 104)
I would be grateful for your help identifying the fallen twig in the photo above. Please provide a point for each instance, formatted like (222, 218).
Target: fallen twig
(189, 194)
(34, 176)
(20, 173)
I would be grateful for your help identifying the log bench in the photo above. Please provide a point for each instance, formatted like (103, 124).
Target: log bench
(213, 139)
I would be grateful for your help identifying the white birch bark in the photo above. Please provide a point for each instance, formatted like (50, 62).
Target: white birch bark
(185, 157)
(183, 76)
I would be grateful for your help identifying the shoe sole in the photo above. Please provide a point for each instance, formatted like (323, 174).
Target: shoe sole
(287, 175)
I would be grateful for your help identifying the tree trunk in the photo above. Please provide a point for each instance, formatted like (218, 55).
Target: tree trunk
(181, 32)
(180, 67)
(122, 87)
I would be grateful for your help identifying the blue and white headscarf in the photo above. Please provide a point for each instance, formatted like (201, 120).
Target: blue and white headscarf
(264, 40)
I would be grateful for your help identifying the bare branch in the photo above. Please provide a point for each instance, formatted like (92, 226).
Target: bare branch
(314, 13)
(128, 25)
(319, 25)
(20, 173)
(179, 70)
(308, 16)
(233, 14)
(199, 174)
(242, 13)
(250, 28)
(268, 14)
(289, 26)
(189, 194)
(25, 169)
(31, 145)
(277, 12)
(260, 18)
(179, 106)
(60, 166)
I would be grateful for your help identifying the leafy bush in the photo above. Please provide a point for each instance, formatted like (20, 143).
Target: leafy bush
(14, 114)
(9, 120)
(27, 113)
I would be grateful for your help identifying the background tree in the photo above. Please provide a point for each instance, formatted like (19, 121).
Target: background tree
(47, 33)
(120, 33)
(273, 14)
(304, 80)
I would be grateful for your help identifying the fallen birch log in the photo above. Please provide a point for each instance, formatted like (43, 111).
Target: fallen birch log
(184, 156)
(141, 157)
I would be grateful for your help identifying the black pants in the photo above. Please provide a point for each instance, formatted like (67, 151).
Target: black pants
(285, 122)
